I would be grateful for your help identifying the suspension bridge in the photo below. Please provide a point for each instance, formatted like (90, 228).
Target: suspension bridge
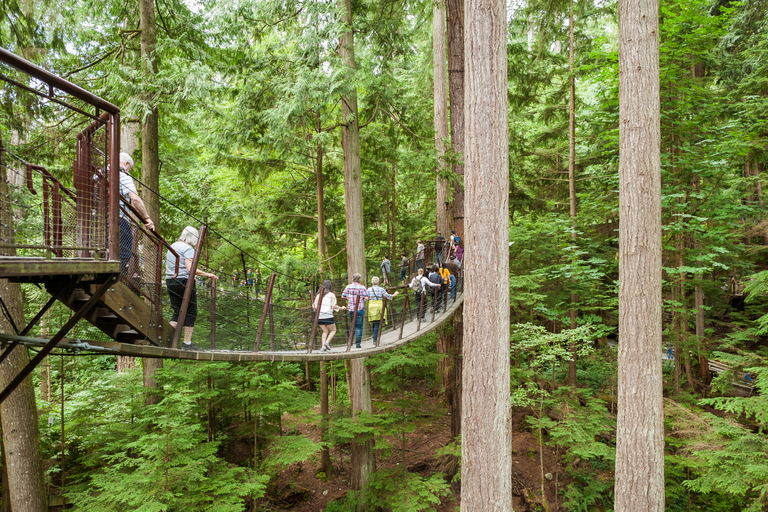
(64, 231)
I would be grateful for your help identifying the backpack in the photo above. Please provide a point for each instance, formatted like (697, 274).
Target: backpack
(416, 285)
(456, 240)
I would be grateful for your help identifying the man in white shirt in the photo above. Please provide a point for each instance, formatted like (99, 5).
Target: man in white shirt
(128, 191)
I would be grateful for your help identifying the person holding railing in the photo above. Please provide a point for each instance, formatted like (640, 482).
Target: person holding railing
(128, 191)
(419, 284)
(403, 267)
(376, 296)
(185, 248)
(419, 254)
(439, 245)
(351, 293)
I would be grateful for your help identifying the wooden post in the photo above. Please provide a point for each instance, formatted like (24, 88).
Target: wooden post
(267, 301)
(353, 330)
(189, 288)
(434, 303)
(402, 318)
(213, 314)
(381, 321)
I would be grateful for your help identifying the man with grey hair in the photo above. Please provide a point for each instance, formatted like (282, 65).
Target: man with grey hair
(129, 194)
(352, 292)
(376, 296)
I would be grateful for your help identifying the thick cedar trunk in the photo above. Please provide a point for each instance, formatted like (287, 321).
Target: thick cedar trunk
(486, 434)
(350, 143)
(456, 94)
(640, 423)
(703, 360)
(22, 456)
(322, 249)
(572, 181)
(360, 386)
(150, 160)
(455, 12)
(325, 453)
(363, 463)
(440, 112)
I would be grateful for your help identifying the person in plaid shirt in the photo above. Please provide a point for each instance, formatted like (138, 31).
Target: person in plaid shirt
(351, 292)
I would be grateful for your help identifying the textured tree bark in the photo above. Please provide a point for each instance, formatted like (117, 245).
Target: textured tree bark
(640, 425)
(440, 112)
(325, 453)
(350, 143)
(703, 360)
(486, 434)
(150, 149)
(149, 367)
(363, 463)
(360, 386)
(150, 159)
(322, 248)
(455, 13)
(23, 459)
(455, 10)
(572, 179)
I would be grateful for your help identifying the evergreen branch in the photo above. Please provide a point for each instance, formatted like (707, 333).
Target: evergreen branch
(93, 63)
(378, 98)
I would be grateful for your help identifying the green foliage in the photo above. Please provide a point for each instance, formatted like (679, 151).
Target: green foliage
(396, 490)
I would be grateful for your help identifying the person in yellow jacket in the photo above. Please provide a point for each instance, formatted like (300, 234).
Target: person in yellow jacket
(376, 296)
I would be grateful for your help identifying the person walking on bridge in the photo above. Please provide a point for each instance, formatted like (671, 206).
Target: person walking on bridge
(419, 284)
(129, 195)
(376, 296)
(325, 318)
(385, 269)
(419, 254)
(351, 293)
(185, 248)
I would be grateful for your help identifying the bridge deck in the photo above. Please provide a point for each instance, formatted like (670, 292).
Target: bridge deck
(389, 341)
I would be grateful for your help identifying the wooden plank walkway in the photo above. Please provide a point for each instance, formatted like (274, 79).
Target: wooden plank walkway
(389, 341)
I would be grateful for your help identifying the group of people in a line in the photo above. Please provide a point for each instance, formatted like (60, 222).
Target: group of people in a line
(357, 296)
(444, 249)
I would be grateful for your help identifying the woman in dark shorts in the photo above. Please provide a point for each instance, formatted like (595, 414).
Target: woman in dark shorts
(185, 248)
(325, 320)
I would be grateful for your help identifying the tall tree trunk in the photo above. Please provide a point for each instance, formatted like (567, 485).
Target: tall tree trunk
(362, 449)
(640, 424)
(440, 112)
(455, 12)
(393, 214)
(486, 432)
(350, 143)
(572, 181)
(363, 463)
(23, 459)
(325, 453)
(699, 302)
(150, 160)
(322, 248)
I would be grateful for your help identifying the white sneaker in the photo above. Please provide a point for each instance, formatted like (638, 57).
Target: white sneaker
(326, 348)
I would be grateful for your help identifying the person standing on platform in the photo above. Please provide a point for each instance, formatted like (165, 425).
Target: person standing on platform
(376, 296)
(403, 267)
(185, 248)
(439, 246)
(129, 195)
(385, 269)
(257, 282)
(436, 278)
(351, 293)
(453, 268)
(419, 254)
(325, 318)
(419, 285)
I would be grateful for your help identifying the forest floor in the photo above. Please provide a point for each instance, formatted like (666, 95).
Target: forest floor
(297, 488)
